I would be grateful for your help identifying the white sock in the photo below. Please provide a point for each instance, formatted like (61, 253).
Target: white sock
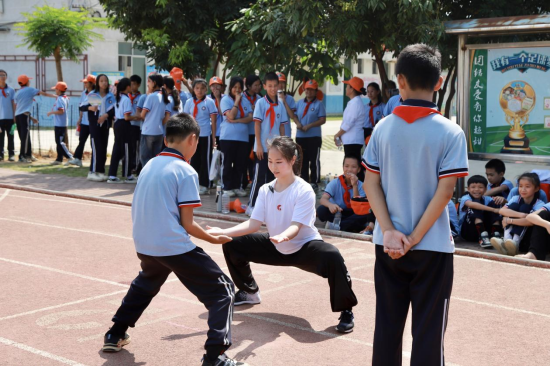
(516, 238)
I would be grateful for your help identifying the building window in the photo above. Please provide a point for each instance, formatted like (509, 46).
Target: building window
(374, 67)
(359, 66)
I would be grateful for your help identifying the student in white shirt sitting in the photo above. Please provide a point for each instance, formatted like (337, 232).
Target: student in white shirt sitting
(287, 207)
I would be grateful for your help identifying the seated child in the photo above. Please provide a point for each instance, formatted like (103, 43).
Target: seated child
(540, 235)
(337, 198)
(453, 218)
(478, 213)
(515, 192)
(514, 214)
(498, 187)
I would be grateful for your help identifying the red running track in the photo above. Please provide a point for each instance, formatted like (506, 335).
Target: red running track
(67, 263)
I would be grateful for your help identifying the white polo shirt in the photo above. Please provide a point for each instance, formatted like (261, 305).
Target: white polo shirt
(412, 149)
(352, 122)
(166, 183)
(279, 209)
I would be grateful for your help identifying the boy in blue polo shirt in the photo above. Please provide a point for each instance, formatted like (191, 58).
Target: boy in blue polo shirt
(162, 216)
(414, 253)
(498, 188)
(270, 116)
(60, 119)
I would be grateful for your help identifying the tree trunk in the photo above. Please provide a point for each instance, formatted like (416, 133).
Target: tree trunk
(443, 90)
(58, 57)
(451, 94)
(378, 58)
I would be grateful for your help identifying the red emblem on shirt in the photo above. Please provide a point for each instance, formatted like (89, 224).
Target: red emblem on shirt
(279, 207)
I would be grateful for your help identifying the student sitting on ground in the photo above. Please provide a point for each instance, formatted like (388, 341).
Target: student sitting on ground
(453, 218)
(478, 213)
(540, 235)
(518, 229)
(498, 187)
(337, 198)
(515, 192)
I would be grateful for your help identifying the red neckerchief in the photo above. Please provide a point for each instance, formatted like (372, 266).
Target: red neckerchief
(4, 90)
(197, 102)
(371, 112)
(240, 106)
(307, 106)
(271, 113)
(132, 97)
(413, 113)
(174, 155)
(250, 99)
(347, 196)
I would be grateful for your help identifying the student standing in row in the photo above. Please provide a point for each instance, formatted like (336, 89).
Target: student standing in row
(153, 113)
(23, 106)
(237, 114)
(121, 129)
(204, 111)
(99, 118)
(179, 80)
(374, 109)
(351, 131)
(269, 118)
(216, 95)
(288, 100)
(287, 207)
(135, 128)
(83, 124)
(252, 94)
(174, 106)
(7, 108)
(309, 117)
(59, 114)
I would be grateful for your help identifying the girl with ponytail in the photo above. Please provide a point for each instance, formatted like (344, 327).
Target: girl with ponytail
(122, 130)
(287, 207)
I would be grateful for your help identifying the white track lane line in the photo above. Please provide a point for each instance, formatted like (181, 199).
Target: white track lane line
(5, 194)
(75, 201)
(39, 352)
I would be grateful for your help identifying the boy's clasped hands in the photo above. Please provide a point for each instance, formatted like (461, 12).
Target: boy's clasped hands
(397, 244)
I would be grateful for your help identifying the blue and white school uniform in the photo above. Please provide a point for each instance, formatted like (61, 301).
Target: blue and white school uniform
(515, 192)
(219, 119)
(23, 100)
(84, 124)
(336, 192)
(393, 102)
(60, 127)
(467, 217)
(152, 130)
(504, 182)
(292, 105)
(171, 110)
(519, 205)
(251, 164)
(373, 114)
(234, 142)
(100, 133)
(7, 95)
(202, 111)
(122, 130)
(311, 140)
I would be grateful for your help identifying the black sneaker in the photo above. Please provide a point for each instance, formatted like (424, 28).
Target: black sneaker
(346, 322)
(243, 297)
(114, 343)
(484, 240)
(222, 360)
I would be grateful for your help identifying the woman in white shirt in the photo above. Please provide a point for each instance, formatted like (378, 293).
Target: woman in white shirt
(287, 207)
(351, 131)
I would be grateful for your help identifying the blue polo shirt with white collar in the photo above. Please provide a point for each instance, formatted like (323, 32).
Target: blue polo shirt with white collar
(166, 184)
(411, 150)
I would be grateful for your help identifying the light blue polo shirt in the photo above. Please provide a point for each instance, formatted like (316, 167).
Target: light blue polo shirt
(123, 107)
(154, 104)
(24, 98)
(377, 114)
(107, 103)
(462, 209)
(260, 115)
(219, 118)
(392, 103)
(336, 192)
(184, 96)
(206, 108)
(516, 199)
(546, 207)
(84, 102)
(170, 107)
(61, 104)
(6, 103)
(515, 192)
(505, 193)
(315, 111)
(453, 218)
(253, 102)
(136, 97)
(139, 106)
(236, 131)
(411, 157)
(292, 105)
(166, 184)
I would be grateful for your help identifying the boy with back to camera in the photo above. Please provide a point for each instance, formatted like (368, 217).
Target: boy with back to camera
(414, 252)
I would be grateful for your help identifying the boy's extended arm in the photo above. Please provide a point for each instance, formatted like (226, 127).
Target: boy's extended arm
(241, 229)
(497, 190)
(478, 206)
(191, 227)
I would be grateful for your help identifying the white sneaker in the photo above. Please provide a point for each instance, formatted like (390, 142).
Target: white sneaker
(242, 298)
(203, 190)
(498, 244)
(57, 163)
(511, 247)
(230, 193)
(90, 175)
(96, 177)
(76, 162)
(241, 193)
(249, 210)
(131, 180)
(114, 180)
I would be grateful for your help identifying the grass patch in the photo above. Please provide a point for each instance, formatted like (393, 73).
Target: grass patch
(44, 166)
(334, 118)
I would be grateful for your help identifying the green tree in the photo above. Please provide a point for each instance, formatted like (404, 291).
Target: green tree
(59, 32)
(190, 35)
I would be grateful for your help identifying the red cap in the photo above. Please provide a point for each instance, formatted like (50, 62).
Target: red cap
(89, 78)
(215, 80)
(176, 74)
(282, 77)
(116, 82)
(356, 83)
(23, 79)
(311, 84)
(62, 86)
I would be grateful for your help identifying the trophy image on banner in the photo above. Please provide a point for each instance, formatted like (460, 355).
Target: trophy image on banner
(517, 100)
